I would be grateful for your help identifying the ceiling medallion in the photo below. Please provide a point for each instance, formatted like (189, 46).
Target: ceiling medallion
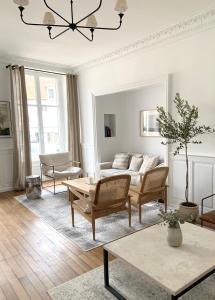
(91, 22)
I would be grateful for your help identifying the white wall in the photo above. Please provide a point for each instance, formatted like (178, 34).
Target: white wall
(190, 61)
(127, 106)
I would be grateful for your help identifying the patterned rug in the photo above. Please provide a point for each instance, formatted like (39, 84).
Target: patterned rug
(131, 283)
(55, 210)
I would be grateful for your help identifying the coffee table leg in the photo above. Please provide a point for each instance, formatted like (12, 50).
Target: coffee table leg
(174, 298)
(106, 278)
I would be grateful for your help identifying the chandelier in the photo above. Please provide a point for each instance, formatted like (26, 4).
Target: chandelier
(91, 22)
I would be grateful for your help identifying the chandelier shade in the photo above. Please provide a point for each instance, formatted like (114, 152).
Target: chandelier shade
(48, 19)
(91, 21)
(66, 25)
(21, 2)
(121, 6)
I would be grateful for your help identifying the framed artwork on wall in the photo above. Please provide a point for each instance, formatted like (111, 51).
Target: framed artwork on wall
(148, 123)
(5, 120)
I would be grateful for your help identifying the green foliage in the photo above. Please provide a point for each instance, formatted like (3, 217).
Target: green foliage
(186, 130)
(174, 218)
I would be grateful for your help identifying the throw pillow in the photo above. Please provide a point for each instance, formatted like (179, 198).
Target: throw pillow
(121, 161)
(135, 163)
(160, 165)
(149, 163)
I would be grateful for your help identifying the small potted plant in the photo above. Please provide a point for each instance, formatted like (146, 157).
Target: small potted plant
(183, 132)
(173, 219)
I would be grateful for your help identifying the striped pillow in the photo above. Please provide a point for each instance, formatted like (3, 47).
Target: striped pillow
(121, 161)
(149, 163)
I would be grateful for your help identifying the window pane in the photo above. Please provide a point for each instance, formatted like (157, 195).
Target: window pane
(33, 116)
(51, 129)
(51, 140)
(50, 116)
(31, 89)
(48, 90)
(35, 143)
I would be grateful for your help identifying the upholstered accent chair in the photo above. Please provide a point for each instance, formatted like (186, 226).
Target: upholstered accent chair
(59, 166)
(153, 187)
(110, 196)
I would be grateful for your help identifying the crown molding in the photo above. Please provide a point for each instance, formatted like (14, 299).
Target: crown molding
(197, 23)
(34, 63)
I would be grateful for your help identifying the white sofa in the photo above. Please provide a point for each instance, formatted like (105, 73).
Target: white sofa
(106, 169)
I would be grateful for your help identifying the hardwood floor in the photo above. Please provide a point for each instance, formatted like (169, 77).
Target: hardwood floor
(33, 256)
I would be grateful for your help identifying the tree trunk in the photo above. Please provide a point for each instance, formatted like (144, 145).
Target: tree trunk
(187, 175)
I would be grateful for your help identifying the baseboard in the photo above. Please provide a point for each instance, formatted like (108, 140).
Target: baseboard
(6, 189)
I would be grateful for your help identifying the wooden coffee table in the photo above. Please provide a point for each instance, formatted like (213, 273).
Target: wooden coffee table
(177, 270)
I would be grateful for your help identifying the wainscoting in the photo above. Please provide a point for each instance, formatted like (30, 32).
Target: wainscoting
(201, 176)
(6, 169)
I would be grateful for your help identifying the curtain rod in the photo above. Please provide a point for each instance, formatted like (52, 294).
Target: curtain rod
(39, 70)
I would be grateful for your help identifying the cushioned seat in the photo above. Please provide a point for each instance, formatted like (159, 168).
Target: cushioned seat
(68, 172)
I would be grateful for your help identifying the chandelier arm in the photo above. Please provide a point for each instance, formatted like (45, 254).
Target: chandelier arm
(100, 4)
(72, 12)
(105, 28)
(101, 28)
(53, 38)
(37, 24)
(85, 35)
(46, 4)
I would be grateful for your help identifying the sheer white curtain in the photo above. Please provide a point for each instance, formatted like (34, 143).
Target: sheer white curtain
(74, 142)
(21, 135)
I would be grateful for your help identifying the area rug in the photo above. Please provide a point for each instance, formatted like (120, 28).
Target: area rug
(55, 210)
(131, 283)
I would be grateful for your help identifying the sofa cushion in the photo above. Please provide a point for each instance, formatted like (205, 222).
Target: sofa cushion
(109, 172)
(121, 161)
(149, 163)
(140, 155)
(135, 177)
(135, 163)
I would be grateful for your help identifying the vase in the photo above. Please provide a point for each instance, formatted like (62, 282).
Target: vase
(189, 209)
(174, 236)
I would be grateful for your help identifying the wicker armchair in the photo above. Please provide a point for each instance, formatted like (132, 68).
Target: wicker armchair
(110, 196)
(152, 187)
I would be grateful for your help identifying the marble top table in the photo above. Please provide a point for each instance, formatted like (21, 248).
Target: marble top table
(176, 270)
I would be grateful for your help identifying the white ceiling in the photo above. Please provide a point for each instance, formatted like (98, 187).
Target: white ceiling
(142, 18)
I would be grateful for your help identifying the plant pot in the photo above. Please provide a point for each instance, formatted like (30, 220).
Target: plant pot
(174, 236)
(189, 209)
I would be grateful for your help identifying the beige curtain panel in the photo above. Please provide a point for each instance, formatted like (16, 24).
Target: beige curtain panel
(21, 135)
(74, 142)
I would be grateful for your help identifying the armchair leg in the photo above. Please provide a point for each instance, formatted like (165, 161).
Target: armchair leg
(140, 213)
(93, 226)
(73, 216)
(129, 212)
(54, 187)
(165, 199)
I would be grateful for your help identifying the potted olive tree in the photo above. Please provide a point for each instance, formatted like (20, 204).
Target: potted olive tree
(182, 132)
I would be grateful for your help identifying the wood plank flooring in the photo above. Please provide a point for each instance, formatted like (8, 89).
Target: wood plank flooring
(33, 256)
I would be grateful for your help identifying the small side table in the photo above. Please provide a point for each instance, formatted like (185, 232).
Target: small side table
(33, 187)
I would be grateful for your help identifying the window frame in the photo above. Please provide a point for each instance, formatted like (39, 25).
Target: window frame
(61, 106)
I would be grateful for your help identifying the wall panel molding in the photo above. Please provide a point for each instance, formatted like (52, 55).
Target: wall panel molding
(201, 176)
(6, 169)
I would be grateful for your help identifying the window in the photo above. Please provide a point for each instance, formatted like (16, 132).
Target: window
(47, 113)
